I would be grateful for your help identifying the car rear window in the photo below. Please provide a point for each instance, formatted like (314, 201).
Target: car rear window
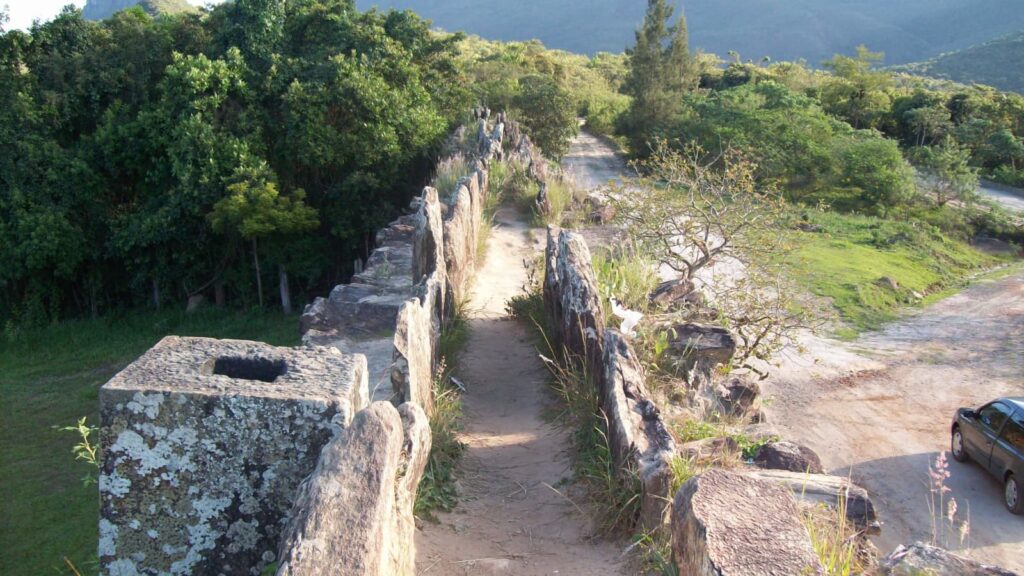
(1014, 433)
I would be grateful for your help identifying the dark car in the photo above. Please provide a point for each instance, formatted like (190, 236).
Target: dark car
(993, 436)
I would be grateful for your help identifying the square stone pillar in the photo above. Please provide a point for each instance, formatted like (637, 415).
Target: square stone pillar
(204, 444)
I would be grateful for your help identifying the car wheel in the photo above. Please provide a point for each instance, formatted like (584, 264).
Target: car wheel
(1012, 495)
(957, 446)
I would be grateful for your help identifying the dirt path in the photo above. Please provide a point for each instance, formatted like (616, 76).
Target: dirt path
(880, 408)
(510, 519)
(592, 162)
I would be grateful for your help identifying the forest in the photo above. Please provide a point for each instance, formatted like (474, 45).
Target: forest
(248, 151)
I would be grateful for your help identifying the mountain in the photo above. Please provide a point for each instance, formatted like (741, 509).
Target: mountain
(906, 30)
(995, 63)
(100, 9)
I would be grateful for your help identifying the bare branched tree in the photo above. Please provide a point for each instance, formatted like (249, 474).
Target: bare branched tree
(709, 220)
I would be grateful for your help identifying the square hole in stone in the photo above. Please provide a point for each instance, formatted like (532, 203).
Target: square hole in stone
(249, 368)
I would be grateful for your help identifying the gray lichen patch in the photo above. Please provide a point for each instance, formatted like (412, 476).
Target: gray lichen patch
(200, 466)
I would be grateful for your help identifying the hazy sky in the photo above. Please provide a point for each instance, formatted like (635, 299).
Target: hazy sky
(23, 12)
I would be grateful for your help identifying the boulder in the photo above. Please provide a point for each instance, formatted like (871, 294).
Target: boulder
(784, 455)
(920, 558)
(353, 516)
(737, 396)
(824, 489)
(693, 344)
(729, 524)
(709, 449)
(677, 293)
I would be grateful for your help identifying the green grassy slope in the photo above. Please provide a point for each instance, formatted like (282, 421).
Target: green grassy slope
(847, 258)
(49, 379)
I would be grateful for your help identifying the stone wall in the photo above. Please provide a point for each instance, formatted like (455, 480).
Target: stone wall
(354, 515)
(213, 450)
(640, 441)
(204, 444)
(394, 311)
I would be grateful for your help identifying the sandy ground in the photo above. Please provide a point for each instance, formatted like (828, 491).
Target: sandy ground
(512, 517)
(879, 408)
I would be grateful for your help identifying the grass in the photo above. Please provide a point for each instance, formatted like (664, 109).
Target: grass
(834, 539)
(693, 430)
(629, 279)
(50, 379)
(449, 171)
(847, 258)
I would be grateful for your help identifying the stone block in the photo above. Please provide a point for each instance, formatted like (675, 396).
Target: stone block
(204, 444)
(354, 515)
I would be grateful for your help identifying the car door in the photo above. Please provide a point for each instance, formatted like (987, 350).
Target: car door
(981, 435)
(1008, 451)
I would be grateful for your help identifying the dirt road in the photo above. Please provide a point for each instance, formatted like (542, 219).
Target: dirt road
(879, 408)
(510, 519)
(1009, 198)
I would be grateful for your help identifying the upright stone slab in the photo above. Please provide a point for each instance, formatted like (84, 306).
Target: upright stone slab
(204, 445)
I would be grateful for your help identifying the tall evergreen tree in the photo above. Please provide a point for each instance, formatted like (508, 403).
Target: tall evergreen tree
(661, 70)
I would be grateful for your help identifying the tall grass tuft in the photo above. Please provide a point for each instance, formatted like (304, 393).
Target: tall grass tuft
(438, 489)
(834, 539)
(449, 171)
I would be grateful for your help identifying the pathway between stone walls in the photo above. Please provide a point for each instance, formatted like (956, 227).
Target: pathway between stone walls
(510, 519)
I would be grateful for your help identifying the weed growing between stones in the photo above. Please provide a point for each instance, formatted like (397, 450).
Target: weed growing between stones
(834, 539)
(438, 490)
(654, 549)
(449, 171)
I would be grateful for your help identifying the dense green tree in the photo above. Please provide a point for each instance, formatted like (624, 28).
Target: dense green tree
(948, 174)
(150, 159)
(660, 71)
(856, 91)
(548, 112)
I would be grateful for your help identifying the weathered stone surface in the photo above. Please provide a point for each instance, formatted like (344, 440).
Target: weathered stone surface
(572, 299)
(428, 237)
(413, 367)
(357, 310)
(784, 455)
(389, 267)
(728, 524)
(737, 396)
(924, 560)
(677, 293)
(709, 449)
(637, 434)
(459, 248)
(204, 443)
(354, 514)
(696, 344)
(379, 353)
(824, 489)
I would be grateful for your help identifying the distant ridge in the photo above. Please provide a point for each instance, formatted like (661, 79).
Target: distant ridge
(100, 9)
(906, 30)
(998, 63)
